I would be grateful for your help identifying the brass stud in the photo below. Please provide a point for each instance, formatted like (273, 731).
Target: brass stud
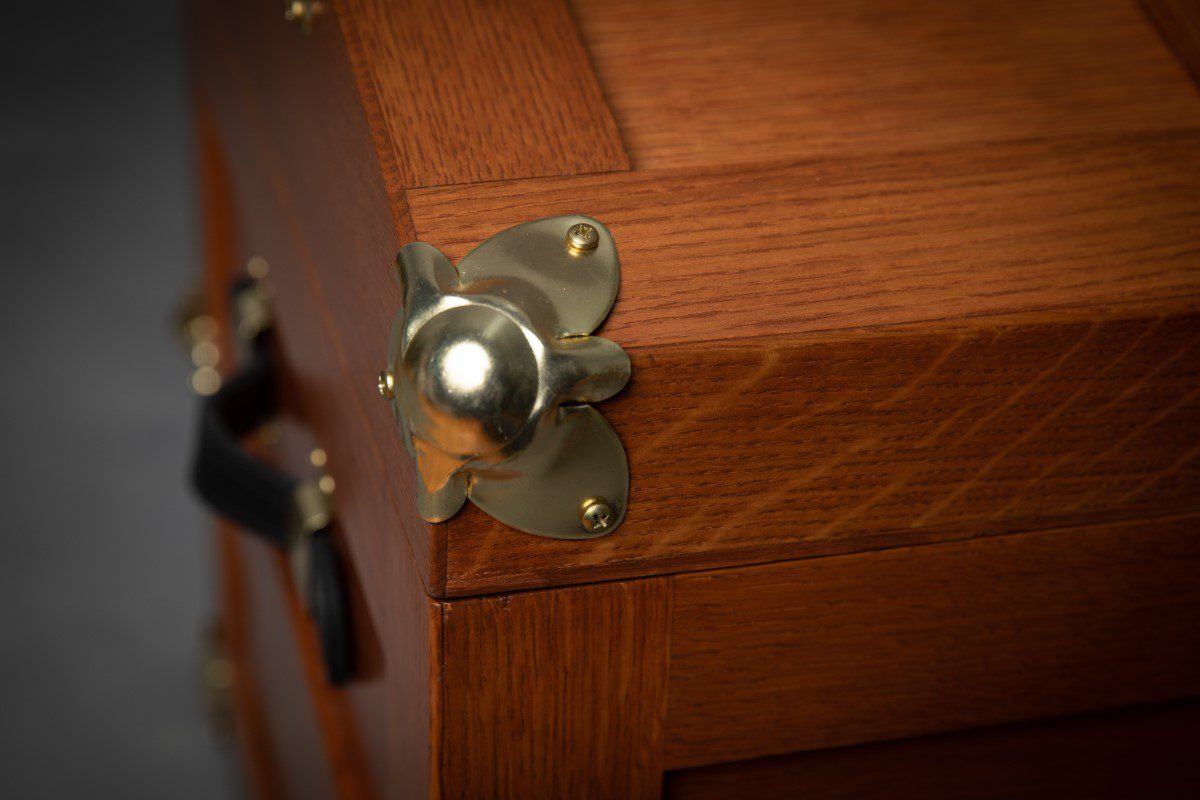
(205, 354)
(386, 383)
(582, 237)
(596, 515)
(303, 12)
(206, 381)
(200, 328)
(257, 268)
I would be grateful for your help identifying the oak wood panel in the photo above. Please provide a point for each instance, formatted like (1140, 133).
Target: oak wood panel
(272, 671)
(556, 694)
(283, 102)
(1076, 221)
(249, 718)
(460, 91)
(218, 253)
(394, 620)
(876, 438)
(872, 646)
(818, 364)
(1143, 752)
(702, 84)
(1178, 21)
(785, 249)
(278, 659)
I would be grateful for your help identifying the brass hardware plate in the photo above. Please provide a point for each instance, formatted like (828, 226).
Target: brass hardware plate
(492, 370)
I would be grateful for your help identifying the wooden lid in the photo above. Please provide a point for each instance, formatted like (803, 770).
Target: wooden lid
(889, 274)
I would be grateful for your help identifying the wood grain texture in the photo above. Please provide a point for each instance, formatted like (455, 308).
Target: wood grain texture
(462, 91)
(990, 338)
(317, 222)
(283, 101)
(787, 249)
(1144, 752)
(718, 83)
(281, 678)
(218, 248)
(1178, 21)
(880, 437)
(556, 694)
(250, 727)
(872, 646)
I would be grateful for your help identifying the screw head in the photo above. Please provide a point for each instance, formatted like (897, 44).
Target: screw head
(386, 383)
(596, 515)
(582, 237)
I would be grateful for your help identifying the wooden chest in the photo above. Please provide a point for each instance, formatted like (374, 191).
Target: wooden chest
(910, 294)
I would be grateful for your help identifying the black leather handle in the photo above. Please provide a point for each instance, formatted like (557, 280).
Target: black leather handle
(259, 498)
(234, 483)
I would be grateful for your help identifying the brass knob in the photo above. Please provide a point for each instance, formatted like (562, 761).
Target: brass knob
(491, 371)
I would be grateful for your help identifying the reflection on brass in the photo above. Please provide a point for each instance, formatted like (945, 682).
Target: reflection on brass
(252, 308)
(310, 507)
(491, 371)
(386, 383)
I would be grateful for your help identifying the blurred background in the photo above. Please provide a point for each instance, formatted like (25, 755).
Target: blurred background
(105, 573)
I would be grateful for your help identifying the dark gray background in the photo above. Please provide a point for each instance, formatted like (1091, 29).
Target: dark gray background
(105, 567)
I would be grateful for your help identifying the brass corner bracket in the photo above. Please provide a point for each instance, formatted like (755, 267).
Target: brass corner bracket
(491, 370)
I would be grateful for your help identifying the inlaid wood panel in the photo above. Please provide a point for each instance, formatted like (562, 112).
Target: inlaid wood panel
(460, 91)
(714, 83)
(871, 646)
(557, 693)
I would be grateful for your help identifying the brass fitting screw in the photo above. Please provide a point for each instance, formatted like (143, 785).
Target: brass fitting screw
(596, 515)
(386, 383)
(582, 237)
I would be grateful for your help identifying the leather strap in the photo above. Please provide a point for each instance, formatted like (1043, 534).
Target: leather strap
(234, 483)
(261, 499)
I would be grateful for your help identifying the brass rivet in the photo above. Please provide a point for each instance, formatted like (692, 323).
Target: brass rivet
(257, 268)
(206, 381)
(596, 515)
(318, 457)
(205, 354)
(582, 237)
(386, 383)
(201, 328)
(303, 12)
